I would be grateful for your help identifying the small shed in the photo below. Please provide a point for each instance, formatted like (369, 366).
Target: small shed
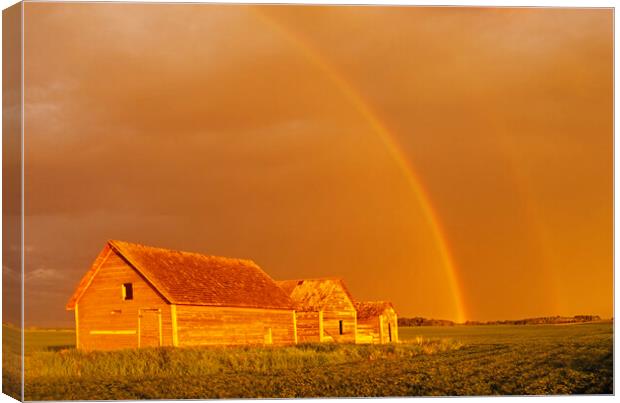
(325, 309)
(141, 296)
(377, 322)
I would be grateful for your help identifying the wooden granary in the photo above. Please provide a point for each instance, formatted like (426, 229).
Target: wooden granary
(141, 296)
(325, 309)
(376, 322)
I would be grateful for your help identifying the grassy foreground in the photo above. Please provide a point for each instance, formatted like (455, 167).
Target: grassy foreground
(463, 360)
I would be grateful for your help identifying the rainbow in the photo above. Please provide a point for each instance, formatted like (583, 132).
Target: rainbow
(539, 233)
(391, 144)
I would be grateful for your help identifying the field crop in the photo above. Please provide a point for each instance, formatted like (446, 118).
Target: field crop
(460, 360)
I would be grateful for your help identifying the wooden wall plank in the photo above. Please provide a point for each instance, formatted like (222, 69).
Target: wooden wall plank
(175, 330)
(77, 327)
(205, 325)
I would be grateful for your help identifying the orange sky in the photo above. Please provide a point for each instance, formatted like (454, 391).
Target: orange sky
(457, 161)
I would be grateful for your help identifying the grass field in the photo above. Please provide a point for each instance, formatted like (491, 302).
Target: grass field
(460, 360)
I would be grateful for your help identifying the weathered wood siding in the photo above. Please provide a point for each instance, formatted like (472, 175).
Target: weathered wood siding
(105, 321)
(332, 322)
(308, 327)
(336, 307)
(368, 331)
(378, 329)
(324, 326)
(206, 325)
(389, 321)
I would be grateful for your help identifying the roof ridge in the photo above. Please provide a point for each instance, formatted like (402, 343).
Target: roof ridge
(114, 242)
(373, 302)
(333, 278)
(191, 278)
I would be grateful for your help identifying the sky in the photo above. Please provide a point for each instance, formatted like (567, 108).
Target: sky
(455, 161)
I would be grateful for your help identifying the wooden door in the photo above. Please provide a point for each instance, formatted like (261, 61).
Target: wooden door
(149, 325)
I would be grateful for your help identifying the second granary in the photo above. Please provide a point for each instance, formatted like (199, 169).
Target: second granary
(141, 296)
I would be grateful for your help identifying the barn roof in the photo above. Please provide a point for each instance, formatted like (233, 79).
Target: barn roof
(369, 309)
(195, 279)
(313, 294)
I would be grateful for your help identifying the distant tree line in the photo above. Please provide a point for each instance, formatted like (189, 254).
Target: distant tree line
(546, 320)
(419, 321)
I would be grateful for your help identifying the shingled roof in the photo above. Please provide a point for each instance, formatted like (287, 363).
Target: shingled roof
(312, 294)
(194, 279)
(369, 309)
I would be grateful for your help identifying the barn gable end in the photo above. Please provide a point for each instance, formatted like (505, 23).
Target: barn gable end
(325, 309)
(107, 319)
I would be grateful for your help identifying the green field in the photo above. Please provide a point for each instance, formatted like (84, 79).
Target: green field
(460, 360)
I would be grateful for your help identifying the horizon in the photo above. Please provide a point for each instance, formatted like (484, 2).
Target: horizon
(454, 161)
(481, 323)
